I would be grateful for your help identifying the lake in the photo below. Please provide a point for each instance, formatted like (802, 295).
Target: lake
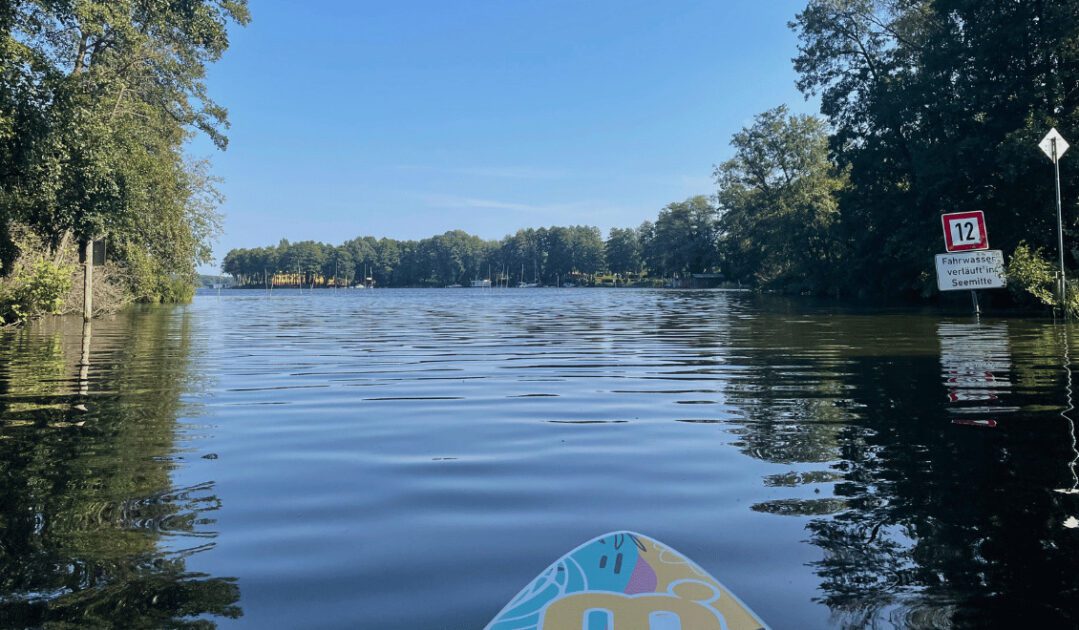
(411, 459)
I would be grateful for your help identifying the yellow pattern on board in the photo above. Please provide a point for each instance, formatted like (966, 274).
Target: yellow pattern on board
(683, 593)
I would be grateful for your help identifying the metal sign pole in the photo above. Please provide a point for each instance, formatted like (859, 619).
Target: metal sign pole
(1060, 228)
(1053, 145)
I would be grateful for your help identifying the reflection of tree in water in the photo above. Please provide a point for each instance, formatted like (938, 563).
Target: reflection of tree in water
(86, 502)
(933, 524)
(973, 509)
(781, 376)
(793, 399)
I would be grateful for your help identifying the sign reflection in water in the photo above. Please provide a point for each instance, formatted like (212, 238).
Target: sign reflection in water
(976, 362)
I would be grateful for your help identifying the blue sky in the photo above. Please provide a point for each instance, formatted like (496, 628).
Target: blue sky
(406, 119)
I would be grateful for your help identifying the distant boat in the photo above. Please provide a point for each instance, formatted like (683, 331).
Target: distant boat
(481, 284)
(453, 286)
(527, 285)
(568, 285)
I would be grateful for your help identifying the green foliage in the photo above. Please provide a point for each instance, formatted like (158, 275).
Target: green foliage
(34, 291)
(778, 197)
(935, 107)
(97, 98)
(931, 107)
(174, 290)
(543, 255)
(1030, 276)
(623, 251)
(1071, 303)
(682, 240)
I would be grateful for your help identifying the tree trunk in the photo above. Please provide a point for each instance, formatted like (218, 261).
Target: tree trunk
(58, 253)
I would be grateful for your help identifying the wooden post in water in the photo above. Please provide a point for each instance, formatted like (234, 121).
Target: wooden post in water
(88, 280)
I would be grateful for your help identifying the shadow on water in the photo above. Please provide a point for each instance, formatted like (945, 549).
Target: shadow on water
(93, 532)
(953, 463)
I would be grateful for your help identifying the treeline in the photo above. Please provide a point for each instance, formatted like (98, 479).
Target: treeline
(928, 107)
(97, 99)
(455, 257)
(682, 240)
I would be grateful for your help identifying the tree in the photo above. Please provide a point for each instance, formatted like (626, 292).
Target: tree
(938, 106)
(96, 101)
(778, 202)
(623, 251)
(683, 239)
(363, 254)
(389, 257)
(650, 256)
(305, 258)
(524, 254)
(338, 265)
(588, 249)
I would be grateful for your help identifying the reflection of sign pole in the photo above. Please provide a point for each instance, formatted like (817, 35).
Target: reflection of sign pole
(1054, 146)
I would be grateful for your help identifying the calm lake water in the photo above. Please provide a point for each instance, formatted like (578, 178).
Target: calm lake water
(411, 459)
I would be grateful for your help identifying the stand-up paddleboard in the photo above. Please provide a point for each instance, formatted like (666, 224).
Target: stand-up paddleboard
(625, 581)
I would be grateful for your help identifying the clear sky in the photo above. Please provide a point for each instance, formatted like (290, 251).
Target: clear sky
(407, 118)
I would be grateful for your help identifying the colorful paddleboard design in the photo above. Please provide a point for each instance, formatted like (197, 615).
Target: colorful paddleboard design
(625, 581)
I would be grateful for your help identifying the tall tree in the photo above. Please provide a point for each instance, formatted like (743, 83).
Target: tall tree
(779, 205)
(683, 239)
(623, 251)
(938, 106)
(97, 98)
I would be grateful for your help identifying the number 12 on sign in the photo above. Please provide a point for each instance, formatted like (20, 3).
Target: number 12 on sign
(965, 231)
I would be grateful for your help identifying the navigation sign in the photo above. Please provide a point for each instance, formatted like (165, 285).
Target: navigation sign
(98, 253)
(964, 231)
(1053, 145)
(966, 271)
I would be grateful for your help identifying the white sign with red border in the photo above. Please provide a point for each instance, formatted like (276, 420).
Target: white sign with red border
(964, 231)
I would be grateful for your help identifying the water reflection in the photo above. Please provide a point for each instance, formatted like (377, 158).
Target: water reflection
(1071, 522)
(93, 532)
(375, 442)
(934, 521)
(84, 366)
(976, 361)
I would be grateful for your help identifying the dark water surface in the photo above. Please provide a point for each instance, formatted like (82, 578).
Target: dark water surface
(410, 459)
